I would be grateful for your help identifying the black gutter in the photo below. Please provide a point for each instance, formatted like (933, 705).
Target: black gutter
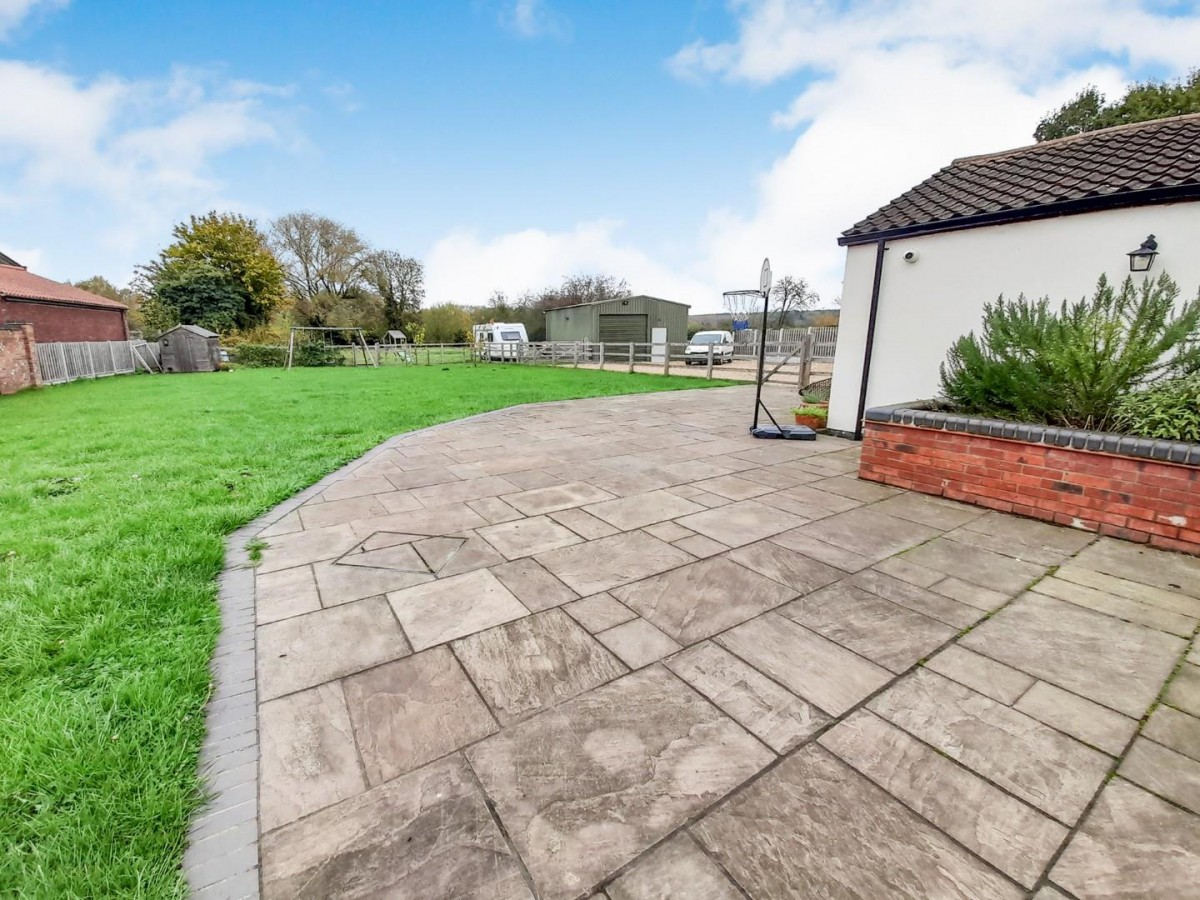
(1121, 200)
(880, 249)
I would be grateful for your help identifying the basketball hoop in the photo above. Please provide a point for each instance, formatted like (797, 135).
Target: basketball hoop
(740, 304)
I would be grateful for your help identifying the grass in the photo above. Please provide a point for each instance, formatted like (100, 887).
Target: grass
(114, 499)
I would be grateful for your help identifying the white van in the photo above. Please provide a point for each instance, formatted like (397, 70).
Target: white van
(501, 340)
(697, 348)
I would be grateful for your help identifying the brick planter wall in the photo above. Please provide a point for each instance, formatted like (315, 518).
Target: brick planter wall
(18, 367)
(1140, 490)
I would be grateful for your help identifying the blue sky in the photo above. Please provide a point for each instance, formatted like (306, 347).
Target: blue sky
(512, 142)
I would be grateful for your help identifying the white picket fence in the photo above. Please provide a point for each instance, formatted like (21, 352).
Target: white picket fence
(72, 360)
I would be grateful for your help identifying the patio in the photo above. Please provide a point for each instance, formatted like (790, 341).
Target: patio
(618, 648)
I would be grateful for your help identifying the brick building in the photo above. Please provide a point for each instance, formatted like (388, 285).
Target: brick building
(57, 312)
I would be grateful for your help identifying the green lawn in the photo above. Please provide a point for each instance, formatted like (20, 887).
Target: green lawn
(114, 497)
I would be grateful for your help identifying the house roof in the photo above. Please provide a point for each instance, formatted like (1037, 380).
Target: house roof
(1129, 165)
(613, 299)
(194, 329)
(19, 283)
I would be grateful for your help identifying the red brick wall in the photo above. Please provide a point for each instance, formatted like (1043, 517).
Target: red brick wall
(18, 368)
(54, 322)
(1136, 499)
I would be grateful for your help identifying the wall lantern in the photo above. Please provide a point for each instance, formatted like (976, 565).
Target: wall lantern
(1141, 259)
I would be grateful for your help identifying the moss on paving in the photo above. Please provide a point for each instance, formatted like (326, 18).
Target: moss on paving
(115, 496)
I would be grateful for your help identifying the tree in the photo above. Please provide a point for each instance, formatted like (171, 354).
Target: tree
(446, 323)
(98, 284)
(1142, 102)
(577, 289)
(198, 293)
(228, 246)
(319, 256)
(791, 295)
(399, 282)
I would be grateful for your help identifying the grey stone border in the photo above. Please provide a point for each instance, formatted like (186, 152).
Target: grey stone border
(221, 861)
(924, 414)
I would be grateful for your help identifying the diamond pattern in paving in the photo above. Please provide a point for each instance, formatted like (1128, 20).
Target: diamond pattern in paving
(618, 648)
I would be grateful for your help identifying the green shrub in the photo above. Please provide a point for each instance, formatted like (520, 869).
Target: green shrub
(820, 412)
(314, 353)
(1169, 410)
(1070, 366)
(259, 356)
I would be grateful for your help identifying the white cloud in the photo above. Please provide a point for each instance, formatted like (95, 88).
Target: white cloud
(463, 268)
(133, 155)
(14, 12)
(887, 93)
(535, 18)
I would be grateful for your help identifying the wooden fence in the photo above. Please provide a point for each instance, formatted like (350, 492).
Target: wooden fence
(787, 363)
(825, 337)
(71, 360)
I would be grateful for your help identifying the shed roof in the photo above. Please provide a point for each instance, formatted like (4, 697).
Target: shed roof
(1129, 165)
(614, 299)
(21, 284)
(194, 329)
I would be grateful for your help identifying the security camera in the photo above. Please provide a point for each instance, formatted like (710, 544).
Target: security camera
(911, 256)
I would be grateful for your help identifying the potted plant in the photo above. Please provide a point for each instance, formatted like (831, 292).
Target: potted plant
(811, 415)
(813, 399)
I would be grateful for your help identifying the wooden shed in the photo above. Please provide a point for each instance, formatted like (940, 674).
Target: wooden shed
(190, 348)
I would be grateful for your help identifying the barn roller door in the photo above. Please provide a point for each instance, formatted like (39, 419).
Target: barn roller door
(623, 328)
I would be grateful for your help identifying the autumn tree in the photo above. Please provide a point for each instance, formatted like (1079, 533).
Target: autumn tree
(446, 323)
(1142, 102)
(322, 260)
(791, 295)
(576, 289)
(399, 282)
(218, 272)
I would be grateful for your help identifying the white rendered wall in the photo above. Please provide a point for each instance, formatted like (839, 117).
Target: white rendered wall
(924, 306)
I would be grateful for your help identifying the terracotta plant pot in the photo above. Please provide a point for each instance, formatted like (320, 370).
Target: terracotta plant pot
(813, 422)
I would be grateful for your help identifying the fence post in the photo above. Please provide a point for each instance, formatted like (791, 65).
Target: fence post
(806, 361)
(710, 361)
(602, 356)
(576, 351)
(630, 357)
(667, 358)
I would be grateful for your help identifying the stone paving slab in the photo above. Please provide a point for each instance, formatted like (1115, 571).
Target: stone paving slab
(428, 834)
(535, 663)
(1014, 837)
(1132, 845)
(678, 868)
(648, 651)
(813, 826)
(1114, 663)
(701, 599)
(412, 711)
(587, 787)
(1043, 767)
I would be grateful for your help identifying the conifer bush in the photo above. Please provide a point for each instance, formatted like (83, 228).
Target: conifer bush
(1073, 364)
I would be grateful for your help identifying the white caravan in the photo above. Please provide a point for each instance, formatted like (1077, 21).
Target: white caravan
(720, 341)
(501, 340)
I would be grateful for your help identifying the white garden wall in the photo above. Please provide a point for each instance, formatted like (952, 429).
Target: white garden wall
(924, 306)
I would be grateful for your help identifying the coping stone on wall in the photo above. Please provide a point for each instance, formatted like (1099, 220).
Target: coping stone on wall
(924, 414)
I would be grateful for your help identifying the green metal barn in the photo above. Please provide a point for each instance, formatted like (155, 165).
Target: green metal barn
(620, 321)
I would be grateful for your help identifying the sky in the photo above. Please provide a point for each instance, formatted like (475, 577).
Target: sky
(511, 143)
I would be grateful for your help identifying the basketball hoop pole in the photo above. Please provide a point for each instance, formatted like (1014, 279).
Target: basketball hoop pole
(762, 359)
